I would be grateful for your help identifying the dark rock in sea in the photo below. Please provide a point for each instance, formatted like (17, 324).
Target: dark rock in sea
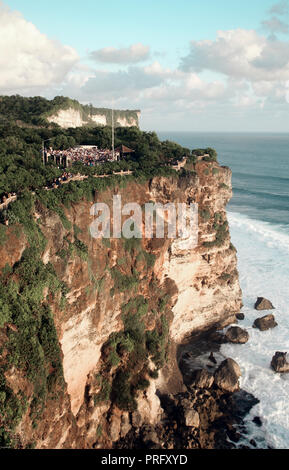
(212, 358)
(202, 379)
(257, 421)
(263, 304)
(237, 335)
(279, 362)
(243, 402)
(227, 376)
(265, 323)
(233, 435)
(253, 443)
(240, 316)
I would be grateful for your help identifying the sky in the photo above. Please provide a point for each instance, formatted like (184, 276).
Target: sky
(188, 65)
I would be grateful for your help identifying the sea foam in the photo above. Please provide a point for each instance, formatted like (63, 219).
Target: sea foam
(263, 260)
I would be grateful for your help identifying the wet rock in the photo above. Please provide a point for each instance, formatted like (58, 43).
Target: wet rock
(192, 418)
(237, 335)
(233, 435)
(263, 304)
(253, 443)
(202, 379)
(279, 363)
(257, 421)
(212, 358)
(265, 323)
(240, 316)
(227, 376)
(243, 402)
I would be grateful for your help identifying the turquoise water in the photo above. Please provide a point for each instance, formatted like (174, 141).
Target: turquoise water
(259, 224)
(260, 165)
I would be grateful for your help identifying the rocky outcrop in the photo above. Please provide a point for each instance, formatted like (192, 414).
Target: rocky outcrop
(202, 379)
(196, 419)
(279, 363)
(265, 323)
(178, 290)
(237, 335)
(263, 304)
(227, 376)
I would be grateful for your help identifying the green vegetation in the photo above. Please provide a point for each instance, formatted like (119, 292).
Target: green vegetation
(123, 282)
(28, 288)
(212, 154)
(21, 160)
(32, 345)
(35, 111)
(221, 228)
(126, 354)
(205, 214)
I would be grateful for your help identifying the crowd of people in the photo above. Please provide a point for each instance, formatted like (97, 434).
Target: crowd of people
(87, 155)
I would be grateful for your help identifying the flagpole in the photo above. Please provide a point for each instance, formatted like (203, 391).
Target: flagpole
(112, 130)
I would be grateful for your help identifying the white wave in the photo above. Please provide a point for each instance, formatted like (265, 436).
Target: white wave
(263, 259)
(272, 235)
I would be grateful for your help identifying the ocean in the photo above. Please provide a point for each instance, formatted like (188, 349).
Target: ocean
(259, 224)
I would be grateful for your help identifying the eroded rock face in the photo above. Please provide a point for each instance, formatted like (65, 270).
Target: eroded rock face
(264, 304)
(237, 335)
(227, 376)
(279, 363)
(202, 379)
(265, 323)
(201, 283)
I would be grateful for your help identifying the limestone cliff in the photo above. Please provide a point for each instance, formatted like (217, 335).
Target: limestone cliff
(120, 292)
(79, 116)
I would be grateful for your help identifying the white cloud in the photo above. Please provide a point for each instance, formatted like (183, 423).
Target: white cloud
(29, 60)
(240, 54)
(127, 55)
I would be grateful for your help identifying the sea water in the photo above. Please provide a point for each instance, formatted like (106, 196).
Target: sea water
(259, 224)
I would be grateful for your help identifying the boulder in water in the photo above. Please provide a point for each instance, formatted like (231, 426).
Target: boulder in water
(265, 323)
(227, 376)
(263, 304)
(240, 316)
(237, 335)
(212, 358)
(279, 363)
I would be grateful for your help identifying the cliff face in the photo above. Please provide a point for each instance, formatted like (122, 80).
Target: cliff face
(72, 117)
(118, 290)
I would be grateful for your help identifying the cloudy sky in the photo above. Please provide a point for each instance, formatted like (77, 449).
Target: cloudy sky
(193, 65)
